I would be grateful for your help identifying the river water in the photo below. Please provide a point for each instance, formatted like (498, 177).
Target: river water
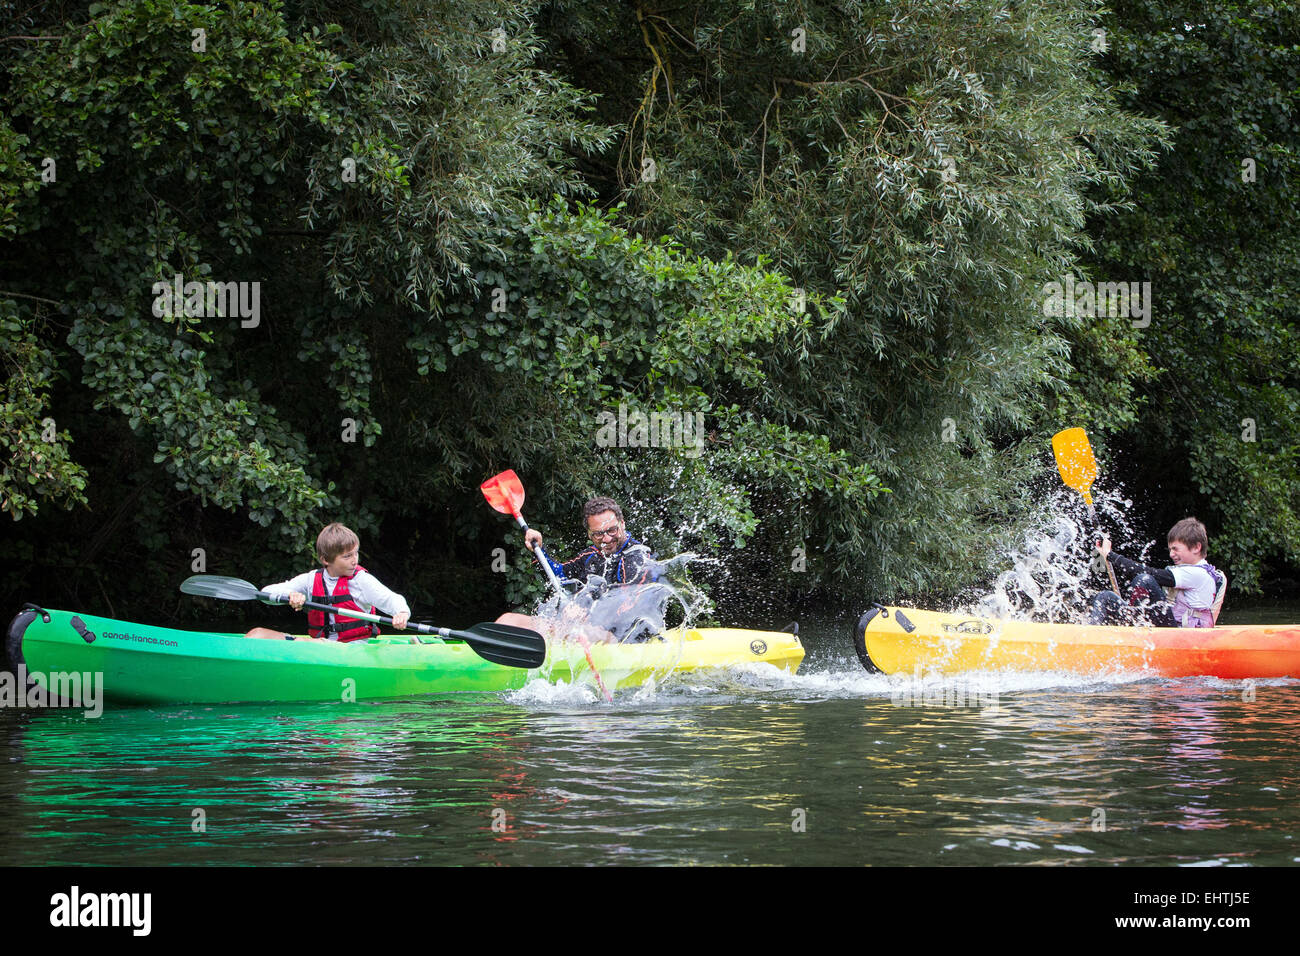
(829, 766)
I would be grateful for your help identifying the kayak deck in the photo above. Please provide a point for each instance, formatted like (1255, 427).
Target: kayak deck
(145, 664)
(932, 641)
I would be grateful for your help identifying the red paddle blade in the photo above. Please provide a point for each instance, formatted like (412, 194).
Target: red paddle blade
(504, 492)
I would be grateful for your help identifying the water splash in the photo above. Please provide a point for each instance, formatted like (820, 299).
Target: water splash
(1053, 573)
(544, 693)
(663, 610)
(978, 690)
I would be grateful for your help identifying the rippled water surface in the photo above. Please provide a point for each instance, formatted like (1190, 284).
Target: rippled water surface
(832, 766)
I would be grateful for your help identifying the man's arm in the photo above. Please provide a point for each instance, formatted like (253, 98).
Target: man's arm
(576, 569)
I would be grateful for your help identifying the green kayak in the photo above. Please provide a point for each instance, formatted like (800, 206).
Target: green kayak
(143, 664)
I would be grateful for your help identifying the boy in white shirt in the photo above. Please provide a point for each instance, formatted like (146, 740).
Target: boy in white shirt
(1197, 585)
(341, 582)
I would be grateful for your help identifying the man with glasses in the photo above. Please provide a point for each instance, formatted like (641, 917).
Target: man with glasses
(616, 601)
(614, 554)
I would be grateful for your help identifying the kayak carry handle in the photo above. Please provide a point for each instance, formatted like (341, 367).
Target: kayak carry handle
(899, 616)
(45, 615)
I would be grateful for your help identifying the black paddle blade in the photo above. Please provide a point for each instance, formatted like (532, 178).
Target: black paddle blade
(505, 644)
(219, 586)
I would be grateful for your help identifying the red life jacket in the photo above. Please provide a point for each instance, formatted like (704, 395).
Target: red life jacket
(316, 625)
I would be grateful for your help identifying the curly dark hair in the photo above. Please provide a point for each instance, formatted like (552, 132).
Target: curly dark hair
(599, 506)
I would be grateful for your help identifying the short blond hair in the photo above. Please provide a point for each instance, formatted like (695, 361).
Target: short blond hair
(335, 539)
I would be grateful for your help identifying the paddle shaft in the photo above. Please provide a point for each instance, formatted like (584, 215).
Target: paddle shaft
(377, 618)
(1111, 573)
(1109, 570)
(565, 597)
(498, 643)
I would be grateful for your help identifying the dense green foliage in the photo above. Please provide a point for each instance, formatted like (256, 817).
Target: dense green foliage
(480, 229)
(375, 381)
(934, 169)
(1216, 232)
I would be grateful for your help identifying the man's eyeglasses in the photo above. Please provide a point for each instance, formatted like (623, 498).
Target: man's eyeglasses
(610, 532)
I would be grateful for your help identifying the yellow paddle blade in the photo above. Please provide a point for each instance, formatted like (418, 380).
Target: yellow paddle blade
(1075, 459)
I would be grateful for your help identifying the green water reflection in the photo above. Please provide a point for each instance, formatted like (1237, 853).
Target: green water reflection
(821, 768)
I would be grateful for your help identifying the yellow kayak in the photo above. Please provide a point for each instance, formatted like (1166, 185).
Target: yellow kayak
(629, 665)
(906, 640)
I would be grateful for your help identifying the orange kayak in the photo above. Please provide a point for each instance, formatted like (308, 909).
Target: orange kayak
(907, 640)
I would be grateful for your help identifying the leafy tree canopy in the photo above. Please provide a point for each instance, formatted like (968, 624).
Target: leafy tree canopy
(418, 243)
